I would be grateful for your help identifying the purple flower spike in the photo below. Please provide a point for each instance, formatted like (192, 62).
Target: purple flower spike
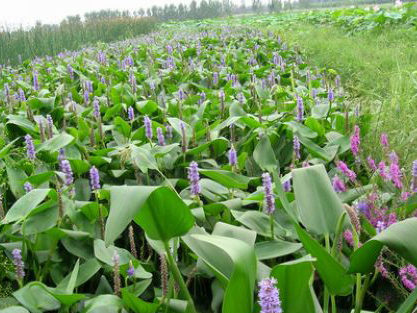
(50, 121)
(269, 196)
(396, 175)
(338, 184)
(30, 148)
(408, 275)
(269, 296)
(66, 169)
(330, 94)
(184, 137)
(222, 95)
(130, 270)
(371, 163)
(382, 171)
(22, 96)
(94, 178)
(96, 108)
(86, 96)
(169, 131)
(35, 81)
(394, 157)
(18, 263)
(355, 141)
(131, 114)
(28, 187)
(297, 147)
(241, 98)
(384, 140)
(346, 171)
(202, 97)
(300, 109)
(61, 155)
(287, 186)
(215, 78)
(148, 127)
(232, 157)
(194, 178)
(160, 135)
(181, 94)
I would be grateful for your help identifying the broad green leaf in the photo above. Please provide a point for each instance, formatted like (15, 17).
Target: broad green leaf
(137, 305)
(235, 261)
(105, 254)
(220, 143)
(158, 210)
(73, 278)
(399, 238)
(294, 284)
(274, 249)
(14, 309)
(259, 222)
(146, 107)
(317, 202)
(299, 128)
(317, 151)
(104, 304)
(86, 270)
(40, 220)
(227, 178)
(56, 143)
(232, 231)
(22, 207)
(36, 298)
(16, 176)
(264, 155)
(143, 159)
(331, 271)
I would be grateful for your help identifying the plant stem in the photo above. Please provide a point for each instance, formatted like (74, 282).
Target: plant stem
(271, 220)
(358, 294)
(326, 291)
(178, 277)
(333, 299)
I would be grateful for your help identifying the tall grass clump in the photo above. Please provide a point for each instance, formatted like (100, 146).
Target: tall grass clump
(71, 34)
(378, 68)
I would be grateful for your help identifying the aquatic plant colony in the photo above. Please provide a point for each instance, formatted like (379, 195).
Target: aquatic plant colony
(208, 170)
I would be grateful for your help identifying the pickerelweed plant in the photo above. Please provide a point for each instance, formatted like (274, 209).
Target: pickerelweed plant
(179, 179)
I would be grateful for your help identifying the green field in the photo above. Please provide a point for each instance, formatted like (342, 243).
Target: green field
(256, 163)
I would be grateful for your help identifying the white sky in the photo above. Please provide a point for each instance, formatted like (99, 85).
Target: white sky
(27, 12)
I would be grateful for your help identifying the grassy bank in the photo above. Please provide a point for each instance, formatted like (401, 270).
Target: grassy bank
(379, 69)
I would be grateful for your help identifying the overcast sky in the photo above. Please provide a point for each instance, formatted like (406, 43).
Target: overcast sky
(27, 12)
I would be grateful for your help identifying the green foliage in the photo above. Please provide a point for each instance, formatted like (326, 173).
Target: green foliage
(136, 190)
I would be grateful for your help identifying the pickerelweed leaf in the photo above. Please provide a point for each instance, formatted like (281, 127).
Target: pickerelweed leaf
(22, 207)
(264, 155)
(294, 283)
(275, 248)
(227, 178)
(317, 202)
(398, 237)
(333, 274)
(158, 210)
(56, 143)
(235, 261)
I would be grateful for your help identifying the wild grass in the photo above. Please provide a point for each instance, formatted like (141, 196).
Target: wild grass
(380, 71)
(71, 34)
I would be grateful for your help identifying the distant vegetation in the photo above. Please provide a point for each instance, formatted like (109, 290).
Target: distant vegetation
(71, 34)
(111, 25)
